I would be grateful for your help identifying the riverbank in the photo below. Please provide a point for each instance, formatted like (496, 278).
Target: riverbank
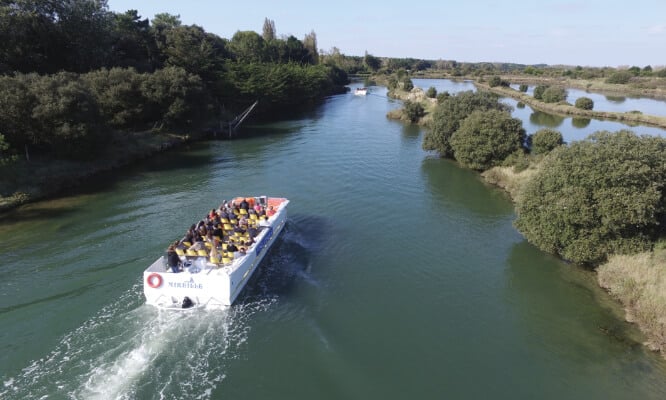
(41, 178)
(637, 281)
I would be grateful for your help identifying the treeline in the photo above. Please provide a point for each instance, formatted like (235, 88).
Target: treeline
(586, 201)
(73, 72)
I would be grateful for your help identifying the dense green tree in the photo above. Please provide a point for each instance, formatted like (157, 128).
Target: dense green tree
(191, 48)
(545, 140)
(371, 62)
(486, 137)
(407, 84)
(6, 156)
(413, 110)
(431, 92)
(600, 196)
(16, 104)
(584, 103)
(554, 94)
(523, 88)
(247, 46)
(539, 90)
(443, 96)
(65, 117)
(494, 81)
(118, 96)
(132, 42)
(29, 37)
(173, 97)
(635, 70)
(85, 27)
(448, 114)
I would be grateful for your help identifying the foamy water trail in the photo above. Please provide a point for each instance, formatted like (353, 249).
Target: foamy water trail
(130, 351)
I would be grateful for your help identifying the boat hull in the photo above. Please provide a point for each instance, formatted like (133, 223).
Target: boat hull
(206, 284)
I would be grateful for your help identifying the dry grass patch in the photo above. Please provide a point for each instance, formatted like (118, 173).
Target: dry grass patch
(639, 283)
(510, 180)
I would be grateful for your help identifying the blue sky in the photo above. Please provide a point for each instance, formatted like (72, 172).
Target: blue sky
(575, 32)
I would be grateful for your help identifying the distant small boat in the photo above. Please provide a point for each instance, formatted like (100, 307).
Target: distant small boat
(361, 91)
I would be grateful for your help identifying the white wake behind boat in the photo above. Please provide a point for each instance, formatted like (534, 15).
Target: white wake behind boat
(206, 284)
(361, 91)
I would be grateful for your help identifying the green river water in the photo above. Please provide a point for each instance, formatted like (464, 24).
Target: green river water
(399, 276)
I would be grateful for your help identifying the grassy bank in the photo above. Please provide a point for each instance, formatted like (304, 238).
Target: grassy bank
(27, 181)
(637, 281)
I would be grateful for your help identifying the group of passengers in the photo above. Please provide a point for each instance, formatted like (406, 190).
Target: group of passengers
(241, 222)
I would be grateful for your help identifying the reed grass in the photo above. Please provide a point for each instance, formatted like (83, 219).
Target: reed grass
(639, 283)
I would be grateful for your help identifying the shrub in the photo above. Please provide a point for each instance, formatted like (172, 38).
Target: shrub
(538, 91)
(486, 138)
(584, 103)
(554, 94)
(545, 140)
(442, 96)
(448, 114)
(495, 81)
(413, 110)
(619, 77)
(522, 88)
(431, 92)
(407, 84)
(518, 160)
(603, 195)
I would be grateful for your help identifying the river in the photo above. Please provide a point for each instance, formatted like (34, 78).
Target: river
(399, 275)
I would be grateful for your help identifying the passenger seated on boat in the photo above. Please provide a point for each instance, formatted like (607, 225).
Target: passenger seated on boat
(242, 222)
(173, 261)
(231, 248)
(244, 205)
(215, 256)
(270, 212)
(217, 231)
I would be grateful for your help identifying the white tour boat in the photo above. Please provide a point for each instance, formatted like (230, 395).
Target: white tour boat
(361, 91)
(213, 283)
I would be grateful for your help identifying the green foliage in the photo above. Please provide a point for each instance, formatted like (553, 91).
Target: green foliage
(601, 196)
(661, 73)
(635, 70)
(431, 92)
(539, 90)
(6, 156)
(65, 117)
(486, 138)
(554, 94)
(519, 160)
(584, 103)
(494, 81)
(371, 62)
(620, 77)
(392, 83)
(413, 110)
(449, 113)
(443, 96)
(118, 95)
(407, 84)
(522, 88)
(545, 140)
